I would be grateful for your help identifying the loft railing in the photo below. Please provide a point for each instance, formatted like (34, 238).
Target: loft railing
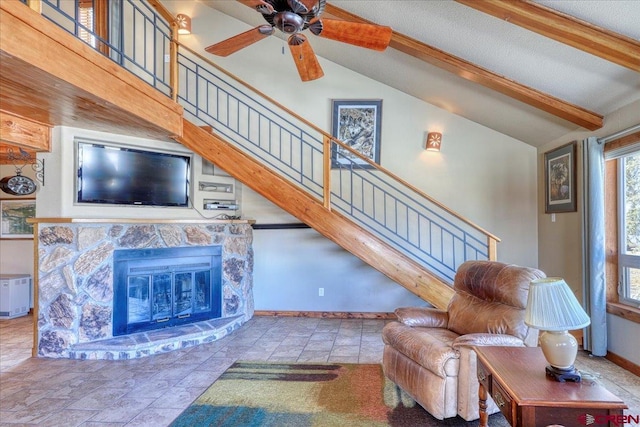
(138, 38)
(327, 169)
(338, 176)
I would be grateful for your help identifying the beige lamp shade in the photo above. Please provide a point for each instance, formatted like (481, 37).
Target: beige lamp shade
(553, 308)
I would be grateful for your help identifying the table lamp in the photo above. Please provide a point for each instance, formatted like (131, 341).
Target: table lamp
(554, 310)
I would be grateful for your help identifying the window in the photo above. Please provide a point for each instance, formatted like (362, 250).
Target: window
(85, 18)
(629, 229)
(622, 225)
(93, 20)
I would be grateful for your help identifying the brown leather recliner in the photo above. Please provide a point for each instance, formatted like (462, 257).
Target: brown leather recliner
(428, 352)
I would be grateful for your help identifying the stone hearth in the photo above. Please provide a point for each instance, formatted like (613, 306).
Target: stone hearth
(75, 284)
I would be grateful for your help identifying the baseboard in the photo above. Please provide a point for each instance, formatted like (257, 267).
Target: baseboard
(623, 363)
(325, 314)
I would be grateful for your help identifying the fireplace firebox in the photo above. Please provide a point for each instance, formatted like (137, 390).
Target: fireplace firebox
(157, 288)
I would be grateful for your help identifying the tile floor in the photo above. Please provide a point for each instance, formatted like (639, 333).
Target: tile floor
(155, 390)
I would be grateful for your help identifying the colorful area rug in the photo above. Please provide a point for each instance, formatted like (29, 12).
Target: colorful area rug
(256, 394)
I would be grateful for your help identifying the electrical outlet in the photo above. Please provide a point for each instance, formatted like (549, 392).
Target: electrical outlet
(167, 58)
(320, 292)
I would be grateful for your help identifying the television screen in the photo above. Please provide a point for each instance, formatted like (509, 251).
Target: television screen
(126, 176)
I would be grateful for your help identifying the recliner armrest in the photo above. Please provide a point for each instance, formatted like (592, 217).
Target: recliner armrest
(426, 317)
(470, 340)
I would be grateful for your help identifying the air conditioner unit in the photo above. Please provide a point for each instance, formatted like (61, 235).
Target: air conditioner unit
(15, 295)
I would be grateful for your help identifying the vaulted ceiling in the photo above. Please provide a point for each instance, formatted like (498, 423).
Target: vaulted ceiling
(532, 70)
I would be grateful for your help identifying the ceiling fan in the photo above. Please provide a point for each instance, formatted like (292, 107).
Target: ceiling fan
(294, 16)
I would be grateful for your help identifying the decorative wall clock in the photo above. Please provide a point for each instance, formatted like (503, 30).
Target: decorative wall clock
(18, 185)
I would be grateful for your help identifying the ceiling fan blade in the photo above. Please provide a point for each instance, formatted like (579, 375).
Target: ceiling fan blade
(304, 58)
(242, 40)
(370, 36)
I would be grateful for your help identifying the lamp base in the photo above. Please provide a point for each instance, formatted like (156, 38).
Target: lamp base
(563, 375)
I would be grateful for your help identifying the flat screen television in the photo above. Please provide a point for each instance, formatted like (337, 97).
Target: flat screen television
(110, 174)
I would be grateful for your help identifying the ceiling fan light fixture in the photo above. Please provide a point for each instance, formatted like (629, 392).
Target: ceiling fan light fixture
(316, 27)
(267, 30)
(184, 24)
(288, 22)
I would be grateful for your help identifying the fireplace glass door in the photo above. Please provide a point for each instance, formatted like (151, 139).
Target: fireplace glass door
(163, 291)
(191, 294)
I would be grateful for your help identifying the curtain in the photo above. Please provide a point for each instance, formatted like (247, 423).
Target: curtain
(593, 213)
(115, 26)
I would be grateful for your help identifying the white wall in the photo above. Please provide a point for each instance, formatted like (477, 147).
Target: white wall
(485, 176)
(623, 338)
(16, 256)
(292, 265)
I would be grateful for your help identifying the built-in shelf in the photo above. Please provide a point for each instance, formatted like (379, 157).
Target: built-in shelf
(212, 204)
(215, 186)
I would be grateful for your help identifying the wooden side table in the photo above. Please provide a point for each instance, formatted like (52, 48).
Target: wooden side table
(516, 380)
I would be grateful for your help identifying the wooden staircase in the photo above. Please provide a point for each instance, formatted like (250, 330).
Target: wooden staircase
(309, 210)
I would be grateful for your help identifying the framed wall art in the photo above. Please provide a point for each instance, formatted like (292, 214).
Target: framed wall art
(560, 179)
(357, 124)
(13, 218)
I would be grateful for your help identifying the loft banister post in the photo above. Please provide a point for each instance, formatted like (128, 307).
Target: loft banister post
(173, 61)
(326, 172)
(35, 5)
(173, 45)
(493, 248)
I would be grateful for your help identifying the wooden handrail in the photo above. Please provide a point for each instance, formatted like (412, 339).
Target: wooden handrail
(163, 11)
(341, 144)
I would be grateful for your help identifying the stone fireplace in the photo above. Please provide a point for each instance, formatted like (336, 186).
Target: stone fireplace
(191, 282)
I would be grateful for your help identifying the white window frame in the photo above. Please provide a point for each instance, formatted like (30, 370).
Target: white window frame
(625, 260)
(86, 17)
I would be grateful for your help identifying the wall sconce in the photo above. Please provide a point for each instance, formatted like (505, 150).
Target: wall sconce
(434, 140)
(184, 24)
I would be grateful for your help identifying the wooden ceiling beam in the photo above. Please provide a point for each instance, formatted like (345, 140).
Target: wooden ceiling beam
(16, 130)
(564, 28)
(458, 66)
